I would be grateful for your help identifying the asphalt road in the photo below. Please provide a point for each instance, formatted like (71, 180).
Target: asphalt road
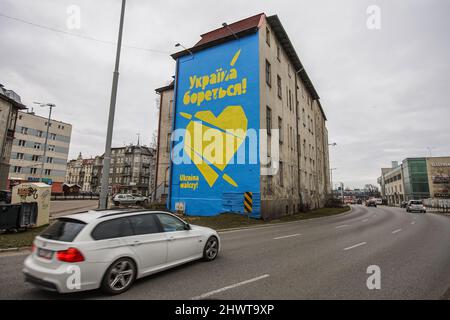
(324, 258)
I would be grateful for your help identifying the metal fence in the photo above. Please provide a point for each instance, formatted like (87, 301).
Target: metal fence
(437, 204)
(74, 197)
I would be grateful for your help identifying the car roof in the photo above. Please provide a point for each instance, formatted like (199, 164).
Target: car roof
(92, 215)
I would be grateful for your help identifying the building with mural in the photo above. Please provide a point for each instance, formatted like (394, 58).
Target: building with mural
(241, 128)
(416, 178)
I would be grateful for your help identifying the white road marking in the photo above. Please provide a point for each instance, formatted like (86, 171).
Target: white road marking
(342, 226)
(205, 295)
(289, 236)
(356, 245)
(396, 231)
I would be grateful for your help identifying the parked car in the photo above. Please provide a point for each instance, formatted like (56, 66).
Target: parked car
(5, 196)
(140, 198)
(415, 205)
(379, 201)
(403, 204)
(359, 201)
(371, 203)
(114, 248)
(125, 198)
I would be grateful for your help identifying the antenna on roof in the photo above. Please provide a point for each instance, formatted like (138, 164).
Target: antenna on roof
(225, 25)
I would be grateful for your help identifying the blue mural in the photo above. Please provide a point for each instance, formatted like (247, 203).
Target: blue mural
(215, 150)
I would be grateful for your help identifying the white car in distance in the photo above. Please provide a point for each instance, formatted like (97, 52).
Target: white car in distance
(110, 249)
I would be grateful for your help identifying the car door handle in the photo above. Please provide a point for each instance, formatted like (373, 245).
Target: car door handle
(171, 238)
(135, 243)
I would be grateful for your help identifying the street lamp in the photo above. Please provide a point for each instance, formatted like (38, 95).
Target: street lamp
(112, 109)
(180, 45)
(331, 179)
(334, 144)
(51, 106)
(225, 25)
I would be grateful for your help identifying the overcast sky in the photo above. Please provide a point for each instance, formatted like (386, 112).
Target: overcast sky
(385, 92)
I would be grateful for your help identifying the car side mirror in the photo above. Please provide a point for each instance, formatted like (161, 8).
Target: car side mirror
(187, 226)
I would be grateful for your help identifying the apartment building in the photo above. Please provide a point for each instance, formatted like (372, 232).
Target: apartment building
(28, 151)
(132, 170)
(245, 80)
(79, 172)
(10, 104)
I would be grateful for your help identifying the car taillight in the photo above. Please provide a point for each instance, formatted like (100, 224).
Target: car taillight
(33, 247)
(70, 255)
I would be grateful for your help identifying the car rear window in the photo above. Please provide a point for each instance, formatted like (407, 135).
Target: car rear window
(416, 202)
(63, 229)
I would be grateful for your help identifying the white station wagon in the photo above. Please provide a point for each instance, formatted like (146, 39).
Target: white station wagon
(110, 249)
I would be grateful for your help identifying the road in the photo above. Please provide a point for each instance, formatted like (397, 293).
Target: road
(324, 258)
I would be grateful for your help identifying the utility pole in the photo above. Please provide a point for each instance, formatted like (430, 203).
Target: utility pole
(112, 109)
(51, 106)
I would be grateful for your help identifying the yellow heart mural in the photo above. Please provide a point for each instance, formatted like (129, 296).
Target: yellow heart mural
(211, 142)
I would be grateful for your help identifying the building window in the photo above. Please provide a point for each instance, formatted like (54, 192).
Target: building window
(35, 158)
(268, 36)
(19, 156)
(33, 170)
(279, 87)
(17, 169)
(269, 185)
(168, 142)
(51, 148)
(268, 120)
(47, 172)
(281, 174)
(49, 160)
(280, 128)
(22, 143)
(37, 145)
(278, 53)
(52, 136)
(39, 133)
(268, 74)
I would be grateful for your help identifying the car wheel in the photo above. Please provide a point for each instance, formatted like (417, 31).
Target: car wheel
(119, 276)
(116, 203)
(138, 203)
(211, 249)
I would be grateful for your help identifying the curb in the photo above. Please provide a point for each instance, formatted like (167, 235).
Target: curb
(15, 249)
(268, 225)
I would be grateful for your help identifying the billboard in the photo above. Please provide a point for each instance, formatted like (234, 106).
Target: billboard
(215, 148)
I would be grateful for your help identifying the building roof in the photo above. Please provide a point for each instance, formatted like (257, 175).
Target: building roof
(248, 26)
(11, 97)
(165, 88)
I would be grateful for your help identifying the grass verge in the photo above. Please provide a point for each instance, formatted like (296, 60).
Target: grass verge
(19, 239)
(229, 220)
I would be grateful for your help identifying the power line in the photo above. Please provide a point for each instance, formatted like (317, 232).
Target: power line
(86, 37)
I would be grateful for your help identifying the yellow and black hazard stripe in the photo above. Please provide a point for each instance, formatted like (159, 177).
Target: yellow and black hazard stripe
(248, 201)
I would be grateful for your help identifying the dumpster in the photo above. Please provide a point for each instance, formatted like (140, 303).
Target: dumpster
(33, 192)
(28, 214)
(9, 216)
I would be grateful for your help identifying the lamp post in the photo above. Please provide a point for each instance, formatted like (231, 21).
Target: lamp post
(331, 180)
(51, 106)
(112, 109)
